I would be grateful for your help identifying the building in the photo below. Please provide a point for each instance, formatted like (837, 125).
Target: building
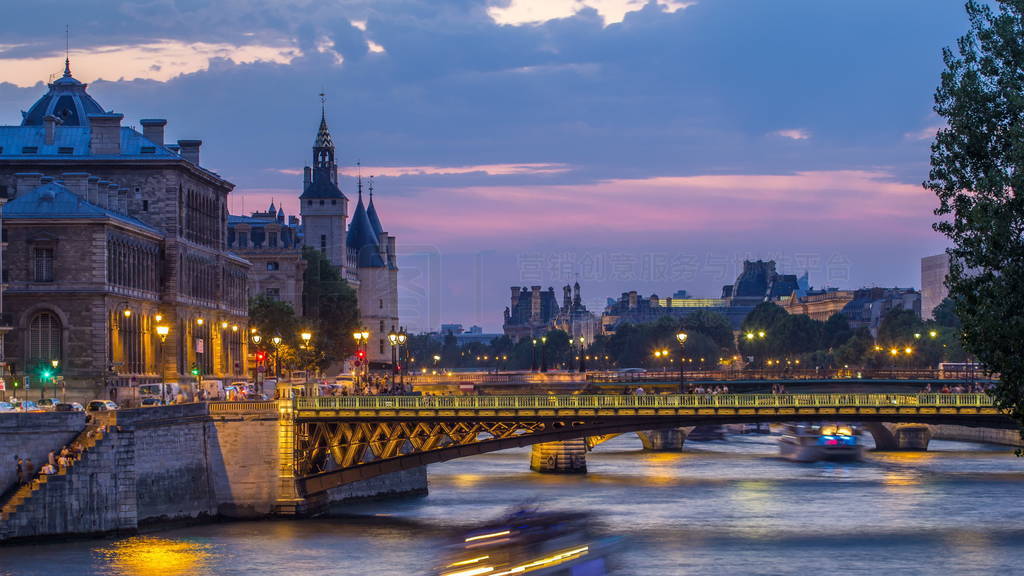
(820, 305)
(632, 308)
(531, 313)
(273, 246)
(116, 258)
(934, 270)
(365, 255)
(760, 282)
(574, 319)
(463, 337)
(869, 305)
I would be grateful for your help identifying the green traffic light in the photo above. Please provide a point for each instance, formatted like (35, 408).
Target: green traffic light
(46, 373)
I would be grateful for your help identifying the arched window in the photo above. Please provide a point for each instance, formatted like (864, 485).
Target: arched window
(44, 338)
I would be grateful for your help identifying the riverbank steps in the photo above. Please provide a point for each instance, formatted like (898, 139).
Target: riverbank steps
(154, 465)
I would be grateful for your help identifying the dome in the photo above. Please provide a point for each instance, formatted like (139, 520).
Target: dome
(67, 100)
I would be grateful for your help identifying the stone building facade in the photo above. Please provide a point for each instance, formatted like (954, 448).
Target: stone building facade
(114, 237)
(273, 245)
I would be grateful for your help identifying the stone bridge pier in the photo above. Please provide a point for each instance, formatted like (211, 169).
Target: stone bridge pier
(900, 436)
(666, 440)
(562, 457)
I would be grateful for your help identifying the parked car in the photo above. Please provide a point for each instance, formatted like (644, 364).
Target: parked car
(101, 406)
(48, 403)
(26, 406)
(68, 407)
(6, 407)
(152, 402)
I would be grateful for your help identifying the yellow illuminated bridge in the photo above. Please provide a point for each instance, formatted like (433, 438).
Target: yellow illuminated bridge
(341, 439)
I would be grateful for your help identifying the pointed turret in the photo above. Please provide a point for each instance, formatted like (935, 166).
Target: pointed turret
(323, 180)
(371, 213)
(361, 236)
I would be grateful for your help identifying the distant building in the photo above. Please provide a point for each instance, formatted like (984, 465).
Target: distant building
(274, 247)
(870, 305)
(759, 282)
(818, 304)
(934, 270)
(534, 312)
(475, 335)
(631, 308)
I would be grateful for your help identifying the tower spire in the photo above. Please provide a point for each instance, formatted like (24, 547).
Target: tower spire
(371, 187)
(359, 177)
(67, 50)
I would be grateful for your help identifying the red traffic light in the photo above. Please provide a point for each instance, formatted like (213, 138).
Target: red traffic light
(361, 354)
(261, 356)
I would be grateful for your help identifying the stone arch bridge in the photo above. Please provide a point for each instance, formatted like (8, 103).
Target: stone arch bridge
(339, 440)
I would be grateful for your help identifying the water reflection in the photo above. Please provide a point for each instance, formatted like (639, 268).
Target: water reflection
(151, 556)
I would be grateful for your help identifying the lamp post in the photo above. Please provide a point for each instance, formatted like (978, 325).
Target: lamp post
(277, 357)
(258, 376)
(583, 348)
(402, 349)
(362, 337)
(393, 340)
(681, 338)
(543, 353)
(533, 358)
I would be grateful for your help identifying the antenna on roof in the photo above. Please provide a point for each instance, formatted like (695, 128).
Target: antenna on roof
(371, 187)
(359, 176)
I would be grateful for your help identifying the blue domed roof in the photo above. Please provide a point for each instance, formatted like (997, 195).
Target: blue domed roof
(67, 100)
(362, 239)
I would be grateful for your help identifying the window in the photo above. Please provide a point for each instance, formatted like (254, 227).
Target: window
(321, 202)
(65, 150)
(42, 259)
(334, 202)
(273, 293)
(381, 305)
(309, 202)
(44, 338)
(381, 346)
(273, 240)
(323, 242)
(272, 266)
(243, 240)
(145, 205)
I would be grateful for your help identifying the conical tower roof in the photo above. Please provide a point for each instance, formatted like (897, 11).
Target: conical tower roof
(362, 238)
(371, 213)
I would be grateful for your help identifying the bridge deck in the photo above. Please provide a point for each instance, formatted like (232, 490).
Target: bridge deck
(379, 407)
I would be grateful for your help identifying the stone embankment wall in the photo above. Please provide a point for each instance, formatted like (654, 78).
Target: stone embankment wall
(32, 436)
(969, 434)
(164, 463)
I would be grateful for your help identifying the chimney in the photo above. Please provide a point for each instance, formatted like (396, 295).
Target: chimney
(515, 296)
(190, 150)
(50, 123)
(26, 182)
(93, 196)
(101, 192)
(307, 177)
(77, 183)
(105, 137)
(153, 130)
(392, 257)
(534, 303)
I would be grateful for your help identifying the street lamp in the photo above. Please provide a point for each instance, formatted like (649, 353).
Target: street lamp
(362, 337)
(277, 356)
(306, 337)
(543, 353)
(162, 331)
(393, 340)
(583, 347)
(533, 359)
(681, 338)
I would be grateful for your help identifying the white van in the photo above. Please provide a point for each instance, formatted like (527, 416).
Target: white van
(212, 389)
(166, 391)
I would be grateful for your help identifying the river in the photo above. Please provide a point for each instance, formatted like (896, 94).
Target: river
(720, 507)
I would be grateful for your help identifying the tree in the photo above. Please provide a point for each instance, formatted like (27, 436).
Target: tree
(330, 308)
(977, 172)
(711, 324)
(945, 314)
(272, 317)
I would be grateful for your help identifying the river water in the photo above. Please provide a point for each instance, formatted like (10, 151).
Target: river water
(720, 507)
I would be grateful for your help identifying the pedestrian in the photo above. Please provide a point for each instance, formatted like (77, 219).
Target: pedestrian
(30, 470)
(51, 458)
(21, 471)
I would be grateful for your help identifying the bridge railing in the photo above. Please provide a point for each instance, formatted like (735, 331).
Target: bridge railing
(640, 401)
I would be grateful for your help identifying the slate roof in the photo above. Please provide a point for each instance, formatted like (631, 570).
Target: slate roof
(53, 201)
(321, 187)
(29, 142)
(67, 100)
(361, 237)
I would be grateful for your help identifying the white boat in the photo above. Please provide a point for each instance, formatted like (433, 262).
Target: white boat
(810, 443)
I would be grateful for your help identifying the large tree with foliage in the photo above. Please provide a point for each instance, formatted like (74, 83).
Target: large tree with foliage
(329, 307)
(977, 172)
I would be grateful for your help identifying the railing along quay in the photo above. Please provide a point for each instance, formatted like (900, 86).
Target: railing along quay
(643, 401)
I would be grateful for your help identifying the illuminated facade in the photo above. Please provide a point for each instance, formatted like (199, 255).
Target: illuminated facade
(116, 260)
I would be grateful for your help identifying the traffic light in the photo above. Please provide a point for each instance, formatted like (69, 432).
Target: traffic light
(195, 369)
(45, 374)
(361, 354)
(261, 355)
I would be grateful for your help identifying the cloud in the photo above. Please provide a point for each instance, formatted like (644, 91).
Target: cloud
(793, 134)
(518, 12)
(159, 60)
(927, 133)
(536, 168)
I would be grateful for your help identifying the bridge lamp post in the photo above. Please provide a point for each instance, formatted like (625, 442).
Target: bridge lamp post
(362, 337)
(402, 337)
(583, 349)
(543, 353)
(393, 340)
(681, 338)
(533, 358)
(277, 356)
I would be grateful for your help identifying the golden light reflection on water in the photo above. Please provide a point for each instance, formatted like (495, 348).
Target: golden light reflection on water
(150, 556)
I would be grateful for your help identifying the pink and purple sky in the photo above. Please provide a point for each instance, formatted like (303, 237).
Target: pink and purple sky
(633, 145)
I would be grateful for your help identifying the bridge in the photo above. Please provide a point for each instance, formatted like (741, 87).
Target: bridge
(339, 440)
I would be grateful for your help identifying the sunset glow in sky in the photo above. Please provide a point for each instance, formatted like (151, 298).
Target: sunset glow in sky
(644, 145)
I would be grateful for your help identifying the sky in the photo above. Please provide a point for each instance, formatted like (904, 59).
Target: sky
(629, 145)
